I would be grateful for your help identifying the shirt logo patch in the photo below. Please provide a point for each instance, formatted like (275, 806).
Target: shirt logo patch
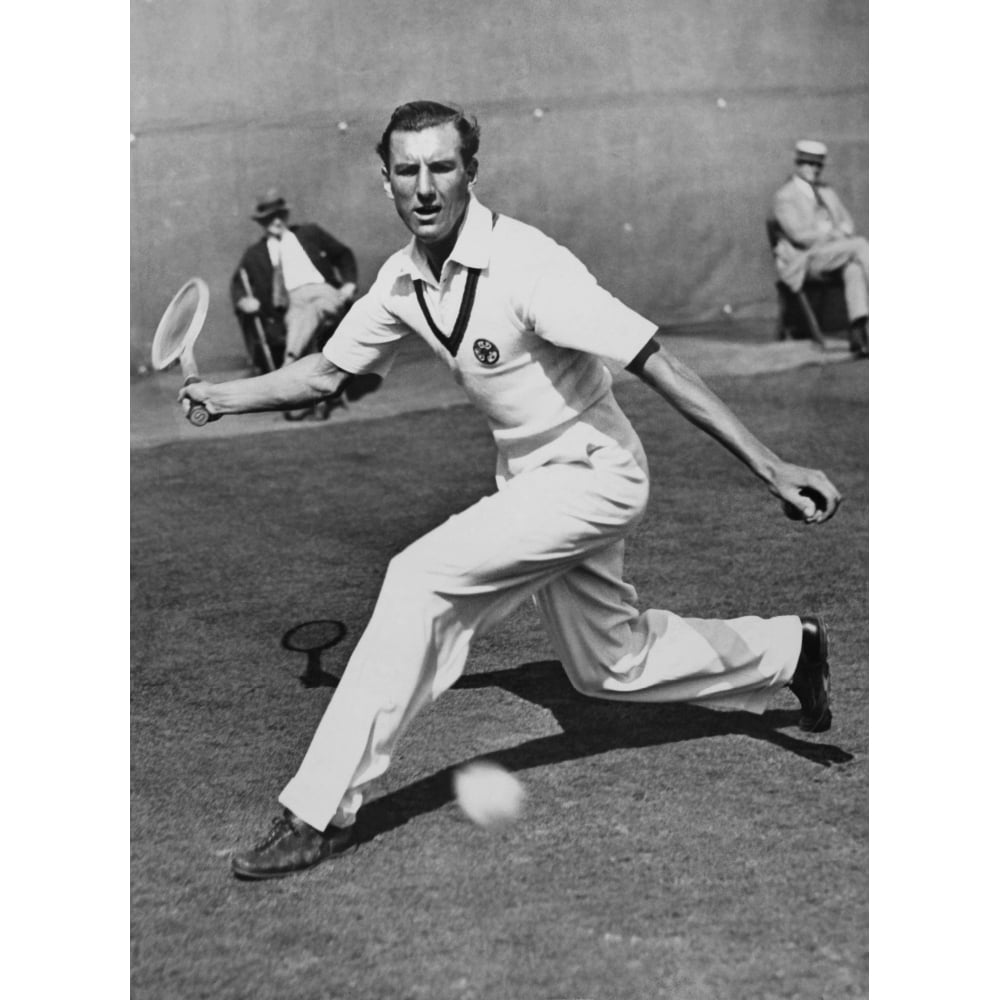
(486, 352)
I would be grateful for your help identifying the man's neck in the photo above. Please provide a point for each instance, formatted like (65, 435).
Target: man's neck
(438, 253)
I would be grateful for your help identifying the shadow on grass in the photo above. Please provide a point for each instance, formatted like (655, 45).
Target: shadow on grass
(590, 726)
(313, 638)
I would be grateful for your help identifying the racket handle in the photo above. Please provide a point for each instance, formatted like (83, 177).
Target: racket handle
(196, 413)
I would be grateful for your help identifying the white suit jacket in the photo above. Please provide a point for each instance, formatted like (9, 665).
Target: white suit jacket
(798, 222)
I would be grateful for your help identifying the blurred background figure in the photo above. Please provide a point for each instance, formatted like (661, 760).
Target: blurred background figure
(812, 236)
(292, 287)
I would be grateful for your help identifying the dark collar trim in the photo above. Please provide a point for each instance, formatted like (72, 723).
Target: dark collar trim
(453, 341)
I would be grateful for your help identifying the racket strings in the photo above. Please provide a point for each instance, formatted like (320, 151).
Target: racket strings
(178, 323)
(185, 312)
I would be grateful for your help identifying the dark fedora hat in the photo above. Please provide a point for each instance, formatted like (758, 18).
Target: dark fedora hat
(269, 206)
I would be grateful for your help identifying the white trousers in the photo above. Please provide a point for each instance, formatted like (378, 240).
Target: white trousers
(308, 307)
(849, 255)
(554, 533)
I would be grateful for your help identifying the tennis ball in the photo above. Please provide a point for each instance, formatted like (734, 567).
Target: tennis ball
(814, 500)
(796, 513)
(490, 796)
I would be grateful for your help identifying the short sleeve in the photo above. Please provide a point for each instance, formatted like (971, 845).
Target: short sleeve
(368, 336)
(569, 308)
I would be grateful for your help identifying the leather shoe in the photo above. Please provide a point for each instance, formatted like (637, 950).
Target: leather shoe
(292, 845)
(858, 341)
(811, 681)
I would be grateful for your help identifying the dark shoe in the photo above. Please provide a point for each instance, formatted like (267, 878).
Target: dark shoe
(858, 341)
(811, 680)
(292, 846)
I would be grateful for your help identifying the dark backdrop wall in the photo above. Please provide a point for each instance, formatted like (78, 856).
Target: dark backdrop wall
(665, 126)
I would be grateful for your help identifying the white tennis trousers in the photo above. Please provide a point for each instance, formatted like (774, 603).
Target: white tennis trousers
(554, 533)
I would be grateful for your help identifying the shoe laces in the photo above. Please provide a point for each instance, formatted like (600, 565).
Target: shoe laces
(280, 827)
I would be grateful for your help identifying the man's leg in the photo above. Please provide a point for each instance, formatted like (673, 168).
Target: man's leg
(467, 575)
(451, 585)
(611, 651)
(308, 306)
(837, 254)
(849, 256)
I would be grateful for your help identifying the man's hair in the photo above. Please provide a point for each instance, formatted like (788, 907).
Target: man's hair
(418, 115)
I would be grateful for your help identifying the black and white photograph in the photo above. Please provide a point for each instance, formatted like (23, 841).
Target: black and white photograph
(499, 499)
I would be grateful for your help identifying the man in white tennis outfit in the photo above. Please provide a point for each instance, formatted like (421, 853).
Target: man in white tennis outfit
(524, 327)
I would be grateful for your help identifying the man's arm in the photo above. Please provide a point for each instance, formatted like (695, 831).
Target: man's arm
(297, 385)
(347, 267)
(799, 220)
(258, 298)
(689, 395)
(237, 291)
(841, 217)
(340, 256)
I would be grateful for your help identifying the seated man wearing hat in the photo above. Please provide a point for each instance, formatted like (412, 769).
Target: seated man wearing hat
(812, 235)
(293, 285)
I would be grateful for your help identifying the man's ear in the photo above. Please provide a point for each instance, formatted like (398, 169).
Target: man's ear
(473, 171)
(386, 186)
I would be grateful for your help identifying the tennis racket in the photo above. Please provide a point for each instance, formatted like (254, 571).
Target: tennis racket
(174, 339)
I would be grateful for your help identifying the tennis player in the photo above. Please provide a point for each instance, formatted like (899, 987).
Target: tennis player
(524, 327)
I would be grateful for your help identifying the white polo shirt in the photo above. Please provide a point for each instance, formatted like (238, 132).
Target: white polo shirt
(530, 356)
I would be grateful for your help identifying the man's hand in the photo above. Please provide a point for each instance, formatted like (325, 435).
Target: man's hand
(345, 296)
(197, 392)
(302, 383)
(689, 395)
(248, 305)
(807, 494)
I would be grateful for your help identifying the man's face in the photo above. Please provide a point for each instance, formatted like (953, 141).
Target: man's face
(275, 226)
(428, 181)
(809, 171)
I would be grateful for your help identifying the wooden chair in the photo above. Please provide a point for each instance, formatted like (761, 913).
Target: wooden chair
(817, 309)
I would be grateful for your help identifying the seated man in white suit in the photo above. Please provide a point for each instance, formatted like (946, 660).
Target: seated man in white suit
(813, 235)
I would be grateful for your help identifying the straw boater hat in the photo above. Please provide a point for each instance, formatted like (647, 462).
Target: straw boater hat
(810, 151)
(269, 206)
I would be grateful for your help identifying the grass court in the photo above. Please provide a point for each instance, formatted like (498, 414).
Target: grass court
(666, 851)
